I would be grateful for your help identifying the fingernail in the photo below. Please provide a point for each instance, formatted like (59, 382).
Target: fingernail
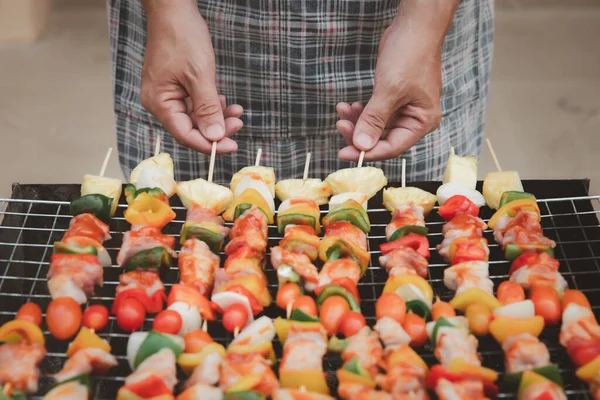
(364, 140)
(214, 132)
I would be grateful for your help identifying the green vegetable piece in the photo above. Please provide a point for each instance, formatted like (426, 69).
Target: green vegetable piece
(155, 258)
(96, 204)
(64, 248)
(83, 379)
(299, 315)
(14, 395)
(337, 345)
(356, 217)
(405, 230)
(513, 251)
(354, 367)
(441, 322)
(513, 195)
(295, 219)
(418, 307)
(285, 273)
(549, 371)
(213, 240)
(240, 209)
(131, 192)
(245, 395)
(336, 290)
(155, 342)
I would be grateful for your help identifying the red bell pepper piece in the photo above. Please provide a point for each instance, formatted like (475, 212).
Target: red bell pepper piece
(254, 304)
(530, 258)
(191, 296)
(457, 204)
(583, 351)
(419, 243)
(149, 387)
(438, 372)
(346, 283)
(152, 304)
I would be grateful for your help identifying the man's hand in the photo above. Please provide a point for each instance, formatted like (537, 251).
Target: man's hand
(405, 104)
(178, 78)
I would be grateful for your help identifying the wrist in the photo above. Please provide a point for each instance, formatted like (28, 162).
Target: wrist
(155, 8)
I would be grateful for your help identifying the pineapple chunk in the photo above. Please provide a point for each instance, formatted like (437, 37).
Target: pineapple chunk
(310, 189)
(162, 161)
(202, 193)
(265, 174)
(496, 183)
(367, 180)
(461, 170)
(395, 197)
(109, 187)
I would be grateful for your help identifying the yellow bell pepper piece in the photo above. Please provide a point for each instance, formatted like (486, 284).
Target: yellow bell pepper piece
(363, 257)
(589, 372)
(245, 383)
(254, 285)
(311, 380)
(189, 361)
(148, 210)
(405, 355)
(511, 209)
(265, 349)
(28, 331)
(86, 339)
(282, 327)
(304, 207)
(501, 328)
(394, 282)
(345, 376)
(474, 296)
(249, 196)
(459, 366)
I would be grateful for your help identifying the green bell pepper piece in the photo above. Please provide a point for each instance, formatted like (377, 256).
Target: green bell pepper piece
(354, 367)
(245, 395)
(352, 215)
(336, 344)
(212, 239)
(155, 258)
(512, 195)
(96, 204)
(342, 250)
(14, 395)
(285, 273)
(295, 219)
(83, 379)
(405, 230)
(549, 371)
(513, 251)
(64, 248)
(299, 315)
(154, 342)
(441, 322)
(418, 307)
(240, 209)
(336, 290)
(131, 192)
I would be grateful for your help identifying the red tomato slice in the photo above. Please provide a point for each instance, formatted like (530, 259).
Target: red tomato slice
(95, 317)
(167, 321)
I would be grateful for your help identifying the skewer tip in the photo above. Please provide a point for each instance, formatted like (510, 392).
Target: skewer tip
(236, 331)
(211, 167)
(361, 159)
(205, 326)
(157, 146)
(288, 310)
(105, 162)
(258, 155)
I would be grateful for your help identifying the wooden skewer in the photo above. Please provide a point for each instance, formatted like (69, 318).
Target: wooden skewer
(258, 155)
(211, 167)
(157, 146)
(205, 326)
(288, 310)
(360, 159)
(404, 172)
(452, 151)
(105, 163)
(236, 331)
(493, 153)
(306, 166)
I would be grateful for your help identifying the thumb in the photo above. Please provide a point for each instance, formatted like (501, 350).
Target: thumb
(207, 110)
(371, 123)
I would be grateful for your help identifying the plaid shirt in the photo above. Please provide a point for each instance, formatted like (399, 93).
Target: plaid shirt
(288, 63)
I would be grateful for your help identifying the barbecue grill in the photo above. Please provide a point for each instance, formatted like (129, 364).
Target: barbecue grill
(38, 215)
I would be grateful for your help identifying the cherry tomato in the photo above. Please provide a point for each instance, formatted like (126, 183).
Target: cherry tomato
(63, 317)
(573, 296)
(415, 326)
(306, 304)
(479, 317)
(235, 316)
(95, 317)
(352, 323)
(510, 292)
(546, 303)
(287, 294)
(167, 321)
(390, 304)
(196, 340)
(583, 351)
(30, 312)
(442, 309)
(331, 313)
(131, 314)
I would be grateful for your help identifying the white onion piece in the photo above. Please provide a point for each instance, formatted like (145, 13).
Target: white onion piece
(226, 299)
(575, 312)
(248, 183)
(447, 190)
(338, 199)
(103, 257)
(261, 330)
(519, 310)
(190, 317)
(151, 177)
(133, 345)
(457, 322)
(410, 292)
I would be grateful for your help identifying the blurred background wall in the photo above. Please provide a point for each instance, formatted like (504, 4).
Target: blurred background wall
(56, 108)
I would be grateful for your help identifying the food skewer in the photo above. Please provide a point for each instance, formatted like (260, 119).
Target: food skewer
(258, 155)
(493, 154)
(361, 157)
(157, 146)
(211, 167)
(105, 162)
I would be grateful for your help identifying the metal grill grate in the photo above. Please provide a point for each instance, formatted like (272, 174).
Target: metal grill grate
(38, 215)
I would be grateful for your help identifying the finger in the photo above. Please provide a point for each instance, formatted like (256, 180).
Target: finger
(208, 109)
(234, 110)
(372, 122)
(346, 128)
(223, 101)
(349, 153)
(397, 142)
(233, 125)
(344, 110)
(357, 109)
(226, 145)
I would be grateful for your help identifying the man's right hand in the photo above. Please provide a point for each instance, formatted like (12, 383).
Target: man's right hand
(178, 78)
